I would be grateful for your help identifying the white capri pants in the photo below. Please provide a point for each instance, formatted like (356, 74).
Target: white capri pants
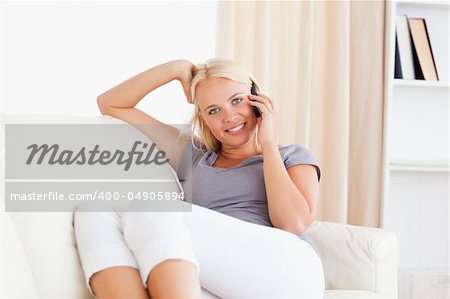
(234, 258)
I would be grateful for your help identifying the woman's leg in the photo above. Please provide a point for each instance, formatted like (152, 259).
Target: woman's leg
(110, 268)
(118, 282)
(162, 246)
(239, 259)
(236, 259)
(174, 278)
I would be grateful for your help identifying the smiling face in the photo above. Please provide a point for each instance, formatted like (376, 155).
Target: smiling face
(225, 109)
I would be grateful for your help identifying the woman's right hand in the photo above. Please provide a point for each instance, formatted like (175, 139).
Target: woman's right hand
(185, 68)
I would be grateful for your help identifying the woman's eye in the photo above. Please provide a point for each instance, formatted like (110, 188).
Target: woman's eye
(237, 100)
(213, 111)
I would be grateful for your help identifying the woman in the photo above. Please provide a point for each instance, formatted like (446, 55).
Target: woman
(251, 198)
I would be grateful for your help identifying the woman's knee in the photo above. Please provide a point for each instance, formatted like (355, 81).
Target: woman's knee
(174, 272)
(152, 225)
(95, 221)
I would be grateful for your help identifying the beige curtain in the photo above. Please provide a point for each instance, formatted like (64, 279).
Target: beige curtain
(322, 62)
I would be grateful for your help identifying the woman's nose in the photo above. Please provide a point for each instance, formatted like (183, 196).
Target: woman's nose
(230, 116)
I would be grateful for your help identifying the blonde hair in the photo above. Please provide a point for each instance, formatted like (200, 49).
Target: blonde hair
(215, 68)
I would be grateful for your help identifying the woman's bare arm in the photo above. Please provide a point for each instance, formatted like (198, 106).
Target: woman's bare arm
(120, 102)
(128, 93)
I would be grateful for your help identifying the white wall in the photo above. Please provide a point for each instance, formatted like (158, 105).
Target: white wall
(57, 57)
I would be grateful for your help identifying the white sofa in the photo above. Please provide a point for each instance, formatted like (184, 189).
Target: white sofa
(39, 257)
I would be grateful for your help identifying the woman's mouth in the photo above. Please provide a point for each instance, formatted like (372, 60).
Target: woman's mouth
(236, 130)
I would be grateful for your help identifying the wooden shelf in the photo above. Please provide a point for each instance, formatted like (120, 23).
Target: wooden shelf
(421, 83)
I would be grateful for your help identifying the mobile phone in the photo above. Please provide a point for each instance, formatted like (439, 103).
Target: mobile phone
(255, 109)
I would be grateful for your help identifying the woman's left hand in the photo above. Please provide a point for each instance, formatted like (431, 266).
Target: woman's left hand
(267, 122)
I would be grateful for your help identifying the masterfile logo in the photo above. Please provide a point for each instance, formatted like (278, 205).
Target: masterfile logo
(53, 155)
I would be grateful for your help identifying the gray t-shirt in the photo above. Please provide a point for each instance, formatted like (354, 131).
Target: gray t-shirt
(238, 191)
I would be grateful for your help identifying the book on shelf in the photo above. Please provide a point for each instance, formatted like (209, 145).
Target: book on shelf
(405, 51)
(422, 48)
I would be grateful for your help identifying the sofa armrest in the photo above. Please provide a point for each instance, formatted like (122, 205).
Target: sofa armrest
(356, 257)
